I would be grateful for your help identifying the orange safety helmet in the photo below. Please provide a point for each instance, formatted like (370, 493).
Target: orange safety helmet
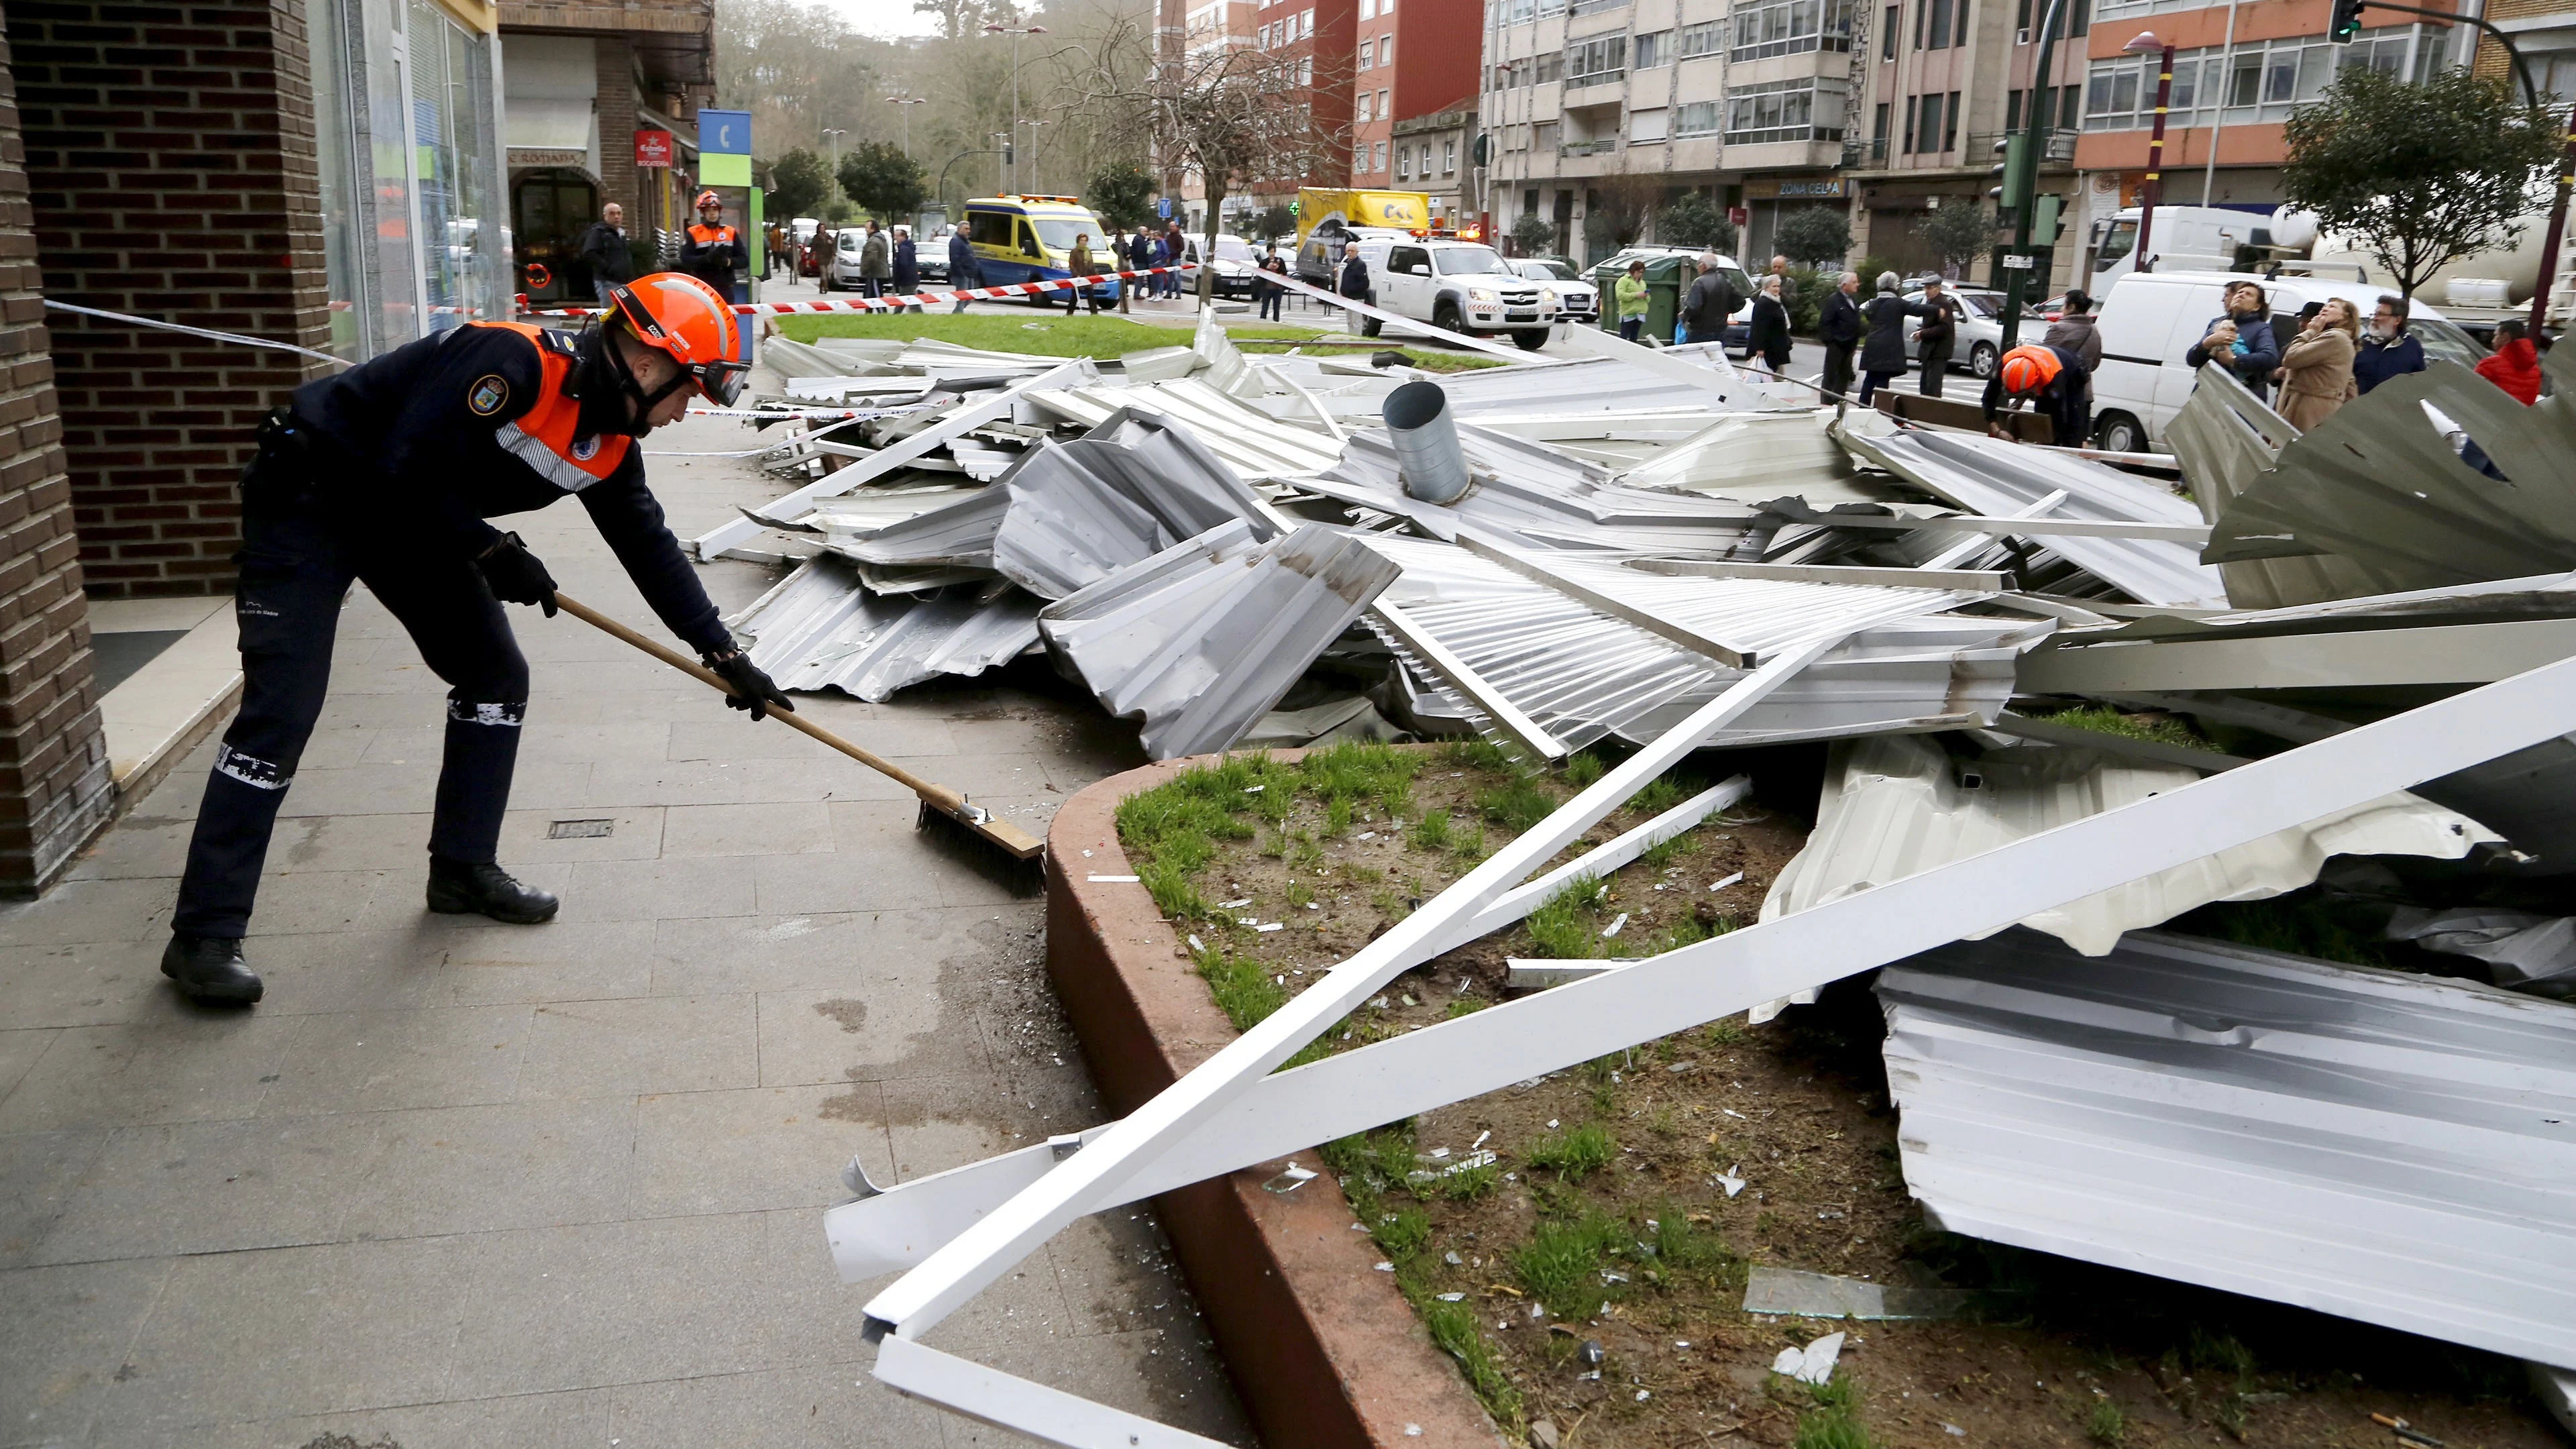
(709, 198)
(685, 318)
(2027, 369)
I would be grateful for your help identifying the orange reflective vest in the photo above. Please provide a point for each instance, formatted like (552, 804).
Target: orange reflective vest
(545, 437)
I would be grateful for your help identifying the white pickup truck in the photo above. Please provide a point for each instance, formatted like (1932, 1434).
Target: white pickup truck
(1459, 286)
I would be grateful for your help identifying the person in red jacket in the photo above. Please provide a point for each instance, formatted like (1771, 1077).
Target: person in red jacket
(2515, 365)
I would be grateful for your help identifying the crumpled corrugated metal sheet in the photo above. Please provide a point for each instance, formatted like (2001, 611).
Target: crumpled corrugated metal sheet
(2391, 1148)
(1591, 384)
(1991, 477)
(1541, 497)
(819, 630)
(1133, 486)
(2224, 437)
(1202, 639)
(2379, 485)
(1252, 443)
(1897, 806)
(958, 533)
(1584, 676)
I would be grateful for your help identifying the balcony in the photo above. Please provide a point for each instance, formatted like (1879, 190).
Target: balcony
(1865, 155)
(1602, 147)
(1983, 145)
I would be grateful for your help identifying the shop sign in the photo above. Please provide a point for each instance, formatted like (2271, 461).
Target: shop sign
(653, 148)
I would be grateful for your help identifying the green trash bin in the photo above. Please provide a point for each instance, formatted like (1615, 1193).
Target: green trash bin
(1666, 276)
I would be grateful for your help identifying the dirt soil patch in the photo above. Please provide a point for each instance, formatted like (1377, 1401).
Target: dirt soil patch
(1579, 1243)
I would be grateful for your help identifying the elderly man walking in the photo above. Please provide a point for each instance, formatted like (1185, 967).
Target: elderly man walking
(603, 247)
(1840, 326)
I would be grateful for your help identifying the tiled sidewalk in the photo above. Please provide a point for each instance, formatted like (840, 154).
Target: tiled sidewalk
(457, 1183)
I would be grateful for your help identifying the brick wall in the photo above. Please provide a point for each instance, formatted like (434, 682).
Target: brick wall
(617, 131)
(54, 783)
(170, 157)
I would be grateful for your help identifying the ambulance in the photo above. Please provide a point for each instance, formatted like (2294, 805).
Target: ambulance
(1030, 238)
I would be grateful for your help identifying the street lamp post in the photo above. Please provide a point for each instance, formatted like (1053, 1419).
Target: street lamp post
(1003, 158)
(1015, 32)
(907, 99)
(2154, 190)
(1033, 151)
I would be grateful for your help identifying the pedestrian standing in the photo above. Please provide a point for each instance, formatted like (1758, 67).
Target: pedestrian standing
(1882, 357)
(2240, 340)
(1176, 250)
(713, 249)
(1080, 264)
(1768, 339)
(1938, 337)
(1355, 277)
(2316, 368)
(1273, 295)
(876, 262)
(907, 266)
(2074, 331)
(1840, 326)
(2515, 366)
(1629, 301)
(2390, 350)
(603, 248)
(385, 473)
(962, 271)
(1706, 308)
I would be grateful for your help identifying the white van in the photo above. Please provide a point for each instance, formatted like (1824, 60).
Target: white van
(2148, 322)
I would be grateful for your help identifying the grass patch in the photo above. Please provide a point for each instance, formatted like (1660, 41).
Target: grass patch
(1575, 1152)
(2107, 1425)
(1562, 1264)
(1475, 754)
(1173, 894)
(1402, 1234)
(1660, 795)
(1453, 1326)
(2104, 720)
(1517, 806)
(1583, 768)
(1562, 928)
(1042, 333)
(1244, 988)
(1664, 852)
(1431, 832)
(1831, 1429)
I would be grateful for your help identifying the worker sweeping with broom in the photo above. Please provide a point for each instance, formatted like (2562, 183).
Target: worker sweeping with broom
(385, 474)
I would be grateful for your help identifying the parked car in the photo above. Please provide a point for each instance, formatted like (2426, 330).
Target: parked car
(1576, 299)
(2149, 321)
(841, 267)
(1981, 327)
(933, 253)
(1461, 286)
(1235, 278)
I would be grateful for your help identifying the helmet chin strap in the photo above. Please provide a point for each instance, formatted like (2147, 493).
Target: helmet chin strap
(632, 401)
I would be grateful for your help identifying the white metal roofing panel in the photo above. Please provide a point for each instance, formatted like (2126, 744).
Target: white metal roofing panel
(819, 630)
(2392, 1148)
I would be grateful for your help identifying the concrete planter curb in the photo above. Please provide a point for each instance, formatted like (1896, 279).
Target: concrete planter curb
(1325, 1351)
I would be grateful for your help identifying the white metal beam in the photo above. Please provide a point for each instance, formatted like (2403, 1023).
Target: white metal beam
(2351, 658)
(1050, 1416)
(987, 1248)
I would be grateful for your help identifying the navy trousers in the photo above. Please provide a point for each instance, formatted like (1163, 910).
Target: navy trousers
(296, 566)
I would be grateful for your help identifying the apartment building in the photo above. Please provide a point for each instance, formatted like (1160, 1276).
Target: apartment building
(1407, 63)
(1630, 101)
(2239, 72)
(1435, 155)
(1948, 80)
(2545, 32)
(1205, 34)
(1321, 37)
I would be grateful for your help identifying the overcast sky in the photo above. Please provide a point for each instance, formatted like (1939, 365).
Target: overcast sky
(884, 17)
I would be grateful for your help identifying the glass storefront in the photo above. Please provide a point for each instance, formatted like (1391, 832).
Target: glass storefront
(413, 236)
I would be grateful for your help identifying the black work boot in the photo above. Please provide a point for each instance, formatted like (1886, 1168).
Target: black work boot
(456, 888)
(210, 969)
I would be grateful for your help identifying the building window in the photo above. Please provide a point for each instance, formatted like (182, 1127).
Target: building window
(1386, 50)
(1809, 109)
(1596, 61)
(1699, 118)
(1368, 9)
(1950, 124)
(1384, 111)
(1648, 127)
(1702, 39)
(1940, 24)
(1652, 49)
(1448, 158)
(1788, 27)
(1888, 26)
(1360, 109)
(1878, 126)
(2259, 81)
(1306, 71)
(1365, 52)
(1549, 68)
(1403, 165)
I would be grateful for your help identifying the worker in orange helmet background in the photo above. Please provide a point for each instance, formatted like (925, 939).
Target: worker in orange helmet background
(385, 473)
(713, 249)
(2051, 380)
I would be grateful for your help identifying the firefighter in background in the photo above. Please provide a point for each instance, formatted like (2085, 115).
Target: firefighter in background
(2052, 380)
(385, 474)
(713, 249)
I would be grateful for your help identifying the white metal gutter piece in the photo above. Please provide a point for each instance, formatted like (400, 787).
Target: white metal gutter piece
(1489, 1049)
(1202, 639)
(819, 630)
(959, 421)
(1897, 805)
(2394, 1148)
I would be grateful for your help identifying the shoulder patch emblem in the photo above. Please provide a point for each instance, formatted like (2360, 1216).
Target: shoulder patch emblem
(584, 449)
(489, 393)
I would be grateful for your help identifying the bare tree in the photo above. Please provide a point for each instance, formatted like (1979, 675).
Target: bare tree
(1620, 203)
(1238, 119)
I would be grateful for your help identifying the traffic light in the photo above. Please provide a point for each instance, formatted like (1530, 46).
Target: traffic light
(2044, 215)
(1484, 148)
(2346, 23)
(2013, 175)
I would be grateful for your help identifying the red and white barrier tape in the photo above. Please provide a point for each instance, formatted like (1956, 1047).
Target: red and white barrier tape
(916, 299)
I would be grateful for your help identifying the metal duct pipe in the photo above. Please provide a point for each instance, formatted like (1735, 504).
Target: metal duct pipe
(1425, 434)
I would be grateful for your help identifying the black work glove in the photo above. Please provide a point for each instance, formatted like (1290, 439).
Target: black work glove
(516, 576)
(752, 689)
